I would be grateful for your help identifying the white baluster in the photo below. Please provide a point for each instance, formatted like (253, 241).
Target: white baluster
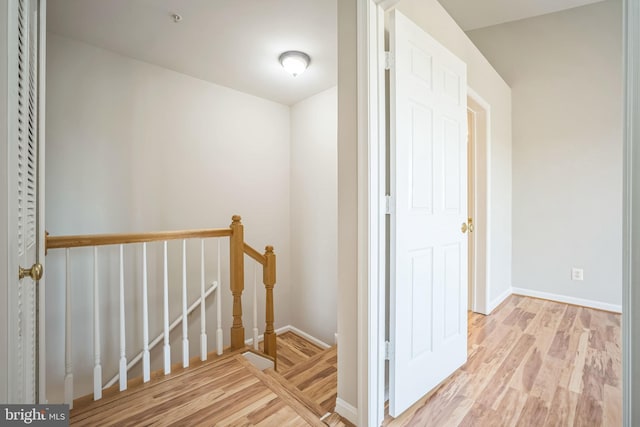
(123, 341)
(255, 307)
(68, 361)
(219, 338)
(203, 319)
(167, 347)
(185, 325)
(146, 364)
(97, 368)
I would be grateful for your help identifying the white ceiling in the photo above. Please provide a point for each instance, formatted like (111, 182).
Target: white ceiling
(234, 43)
(475, 14)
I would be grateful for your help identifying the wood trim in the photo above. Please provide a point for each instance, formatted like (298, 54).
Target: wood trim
(236, 276)
(254, 254)
(269, 280)
(283, 393)
(60, 242)
(631, 215)
(293, 390)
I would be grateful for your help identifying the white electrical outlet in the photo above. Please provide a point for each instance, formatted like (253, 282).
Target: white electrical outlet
(577, 274)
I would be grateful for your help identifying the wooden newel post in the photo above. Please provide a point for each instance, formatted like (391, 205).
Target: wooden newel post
(236, 273)
(269, 279)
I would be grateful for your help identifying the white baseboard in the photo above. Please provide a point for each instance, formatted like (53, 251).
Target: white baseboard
(568, 300)
(305, 335)
(497, 301)
(347, 411)
(289, 328)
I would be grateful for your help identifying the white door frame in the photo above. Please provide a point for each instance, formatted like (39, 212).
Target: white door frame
(371, 158)
(631, 217)
(369, 202)
(482, 187)
(5, 249)
(41, 294)
(371, 209)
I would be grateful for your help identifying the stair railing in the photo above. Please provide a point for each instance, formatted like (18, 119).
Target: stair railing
(238, 248)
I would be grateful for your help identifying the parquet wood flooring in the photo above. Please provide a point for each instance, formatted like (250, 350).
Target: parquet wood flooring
(228, 392)
(312, 370)
(531, 363)
(293, 349)
(317, 378)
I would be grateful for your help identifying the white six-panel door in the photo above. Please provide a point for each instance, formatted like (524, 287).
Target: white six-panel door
(428, 250)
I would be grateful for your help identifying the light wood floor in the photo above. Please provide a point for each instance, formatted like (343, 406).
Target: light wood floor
(228, 392)
(312, 369)
(224, 393)
(294, 350)
(531, 363)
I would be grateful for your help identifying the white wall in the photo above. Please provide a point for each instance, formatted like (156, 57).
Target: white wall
(484, 80)
(565, 71)
(314, 215)
(347, 204)
(4, 220)
(135, 147)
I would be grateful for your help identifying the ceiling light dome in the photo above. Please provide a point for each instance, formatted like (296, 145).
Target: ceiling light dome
(295, 62)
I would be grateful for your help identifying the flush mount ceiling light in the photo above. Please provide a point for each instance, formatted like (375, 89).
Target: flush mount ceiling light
(295, 62)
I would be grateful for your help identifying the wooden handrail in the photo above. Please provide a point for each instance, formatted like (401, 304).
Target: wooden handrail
(237, 249)
(254, 254)
(60, 242)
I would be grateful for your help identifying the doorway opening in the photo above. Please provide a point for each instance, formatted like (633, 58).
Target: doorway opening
(478, 116)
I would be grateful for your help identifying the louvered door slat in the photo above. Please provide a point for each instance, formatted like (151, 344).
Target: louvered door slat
(25, 149)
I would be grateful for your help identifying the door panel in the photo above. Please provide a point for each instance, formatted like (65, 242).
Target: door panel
(23, 173)
(428, 251)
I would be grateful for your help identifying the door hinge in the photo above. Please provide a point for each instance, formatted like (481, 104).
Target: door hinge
(388, 208)
(387, 350)
(389, 60)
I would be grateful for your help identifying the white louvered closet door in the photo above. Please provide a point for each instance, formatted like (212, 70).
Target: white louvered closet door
(23, 171)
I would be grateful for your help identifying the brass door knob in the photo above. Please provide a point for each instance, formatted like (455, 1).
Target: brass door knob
(464, 227)
(35, 272)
